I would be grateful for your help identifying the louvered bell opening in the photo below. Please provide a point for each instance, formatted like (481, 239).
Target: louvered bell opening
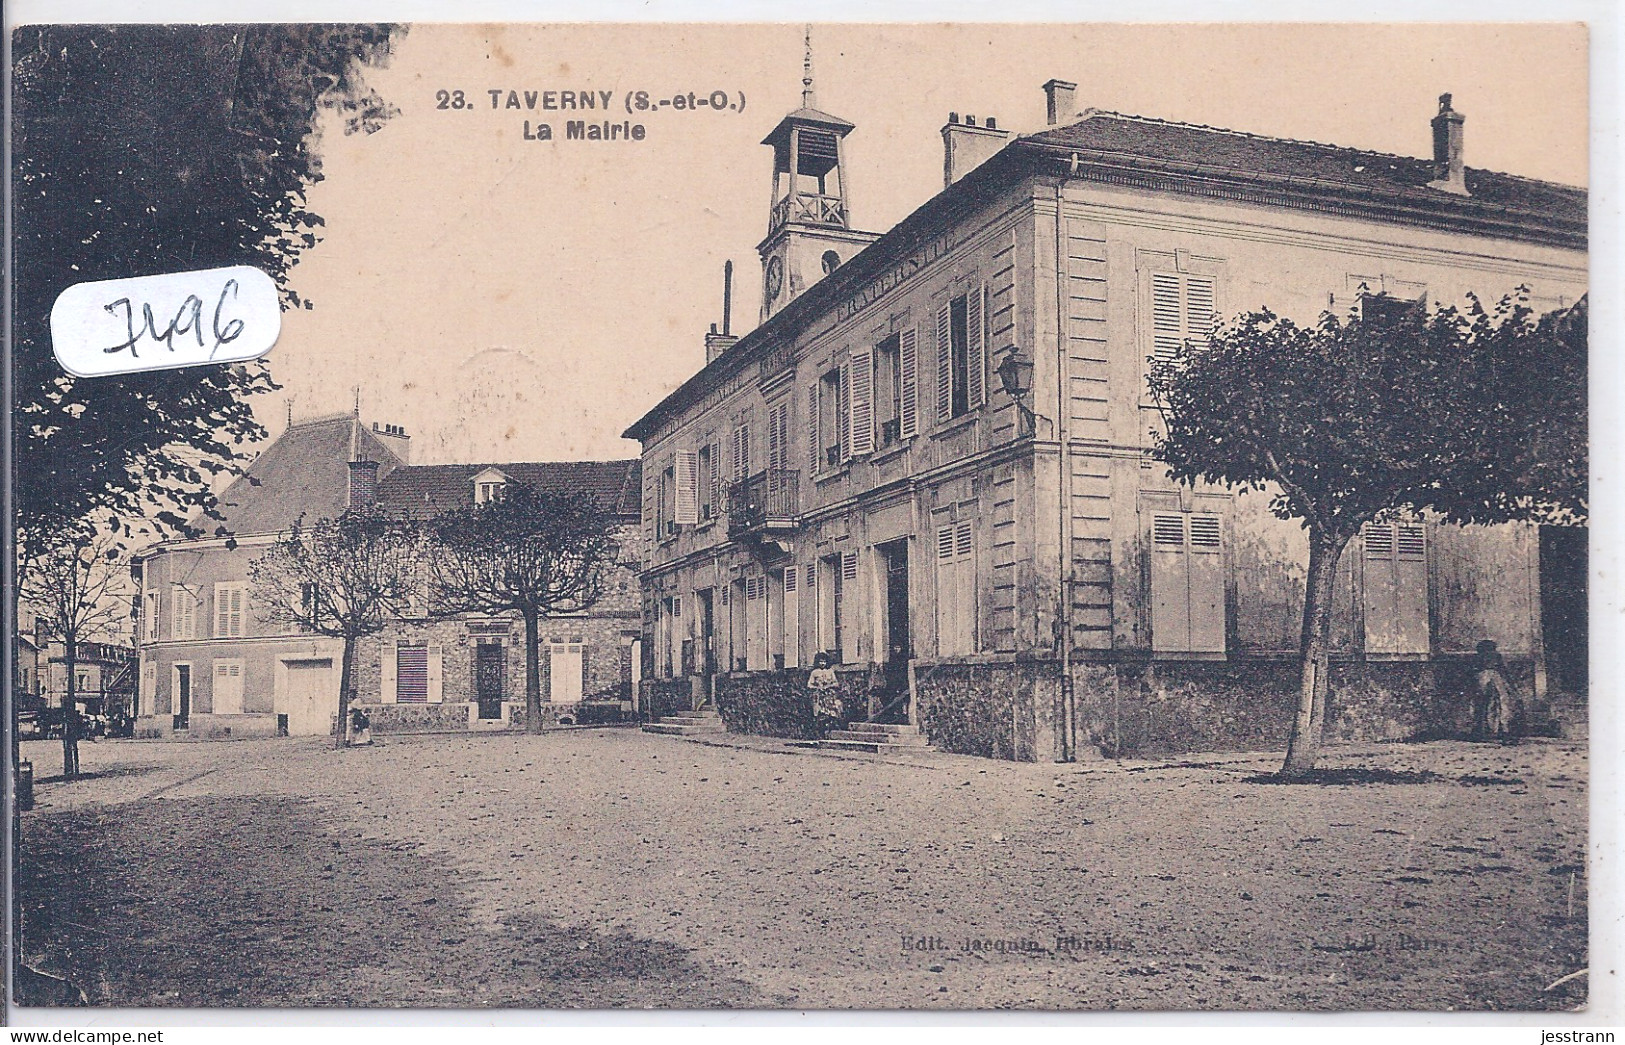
(1412, 542)
(1379, 542)
(817, 153)
(1205, 532)
(1168, 531)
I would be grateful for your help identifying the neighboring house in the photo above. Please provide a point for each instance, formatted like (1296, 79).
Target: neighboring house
(103, 675)
(212, 665)
(855, 475)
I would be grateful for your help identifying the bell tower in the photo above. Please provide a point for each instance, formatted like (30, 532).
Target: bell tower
(809, 230)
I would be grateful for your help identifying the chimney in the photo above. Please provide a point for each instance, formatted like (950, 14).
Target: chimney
(716, 344)
(394, 437)
(1449, 172)
(363, 483)
(1060, 100)
(966, 146)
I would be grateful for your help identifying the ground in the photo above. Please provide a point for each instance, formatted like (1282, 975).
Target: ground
(609, 868)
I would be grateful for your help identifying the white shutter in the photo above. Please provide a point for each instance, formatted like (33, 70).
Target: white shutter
(741, 452)
(1205, 574)
(434, 675)
(778, 435)
(976, 349)
(965, 568)
(688, 496)
(237, 599)
(815, 449)
(1167, 320)
(863, 402)
(1198, 308)
(716, 478)
(945, 365)
(387, 688)
(908, 353)
(1170, 584)
(222, 610)
(1396, 588)
(844, 422)
(792, 618)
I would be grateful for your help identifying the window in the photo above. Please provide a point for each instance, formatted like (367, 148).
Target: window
(1187, 583)
(412, 674)
(888, 392)
(152, 616)
(666, 504)
(829, 435)
(778, 435)
(835, 634)
(961, 356)
(792, 616)
(686, 505)
(228, 687)
(486, 492)
(183, 612)
(956, 589)
(229, 604)
(705, 469)
(1396, 588)
(1182, 311)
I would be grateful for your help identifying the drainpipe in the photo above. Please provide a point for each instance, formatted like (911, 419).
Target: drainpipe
(1063, 609)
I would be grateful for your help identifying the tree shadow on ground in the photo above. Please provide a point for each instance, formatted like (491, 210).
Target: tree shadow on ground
(1351, 776)
(100, 774)
(250, 902)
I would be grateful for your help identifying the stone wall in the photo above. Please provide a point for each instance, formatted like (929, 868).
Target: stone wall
(995, 708)
(779, 704)
(662, 697)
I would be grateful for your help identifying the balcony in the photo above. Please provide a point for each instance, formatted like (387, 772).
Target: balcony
(767, 502)
(808, 208)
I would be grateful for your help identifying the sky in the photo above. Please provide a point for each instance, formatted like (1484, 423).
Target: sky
(508, 299)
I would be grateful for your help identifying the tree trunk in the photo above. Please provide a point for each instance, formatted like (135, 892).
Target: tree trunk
(341, 731)
(1304, 745)
(70, 711)
(533, 673)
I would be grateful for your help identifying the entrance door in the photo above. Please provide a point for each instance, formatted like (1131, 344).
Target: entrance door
(564, 672)
(310, 697)
(899, 640)
(708, 629)
(183, 696)
(488, 669)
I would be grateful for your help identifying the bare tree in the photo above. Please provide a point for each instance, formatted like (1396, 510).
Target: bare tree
(529, 552)
(77, 582)
(345, 578)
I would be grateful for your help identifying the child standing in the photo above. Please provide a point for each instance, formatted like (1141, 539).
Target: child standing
(826, 694)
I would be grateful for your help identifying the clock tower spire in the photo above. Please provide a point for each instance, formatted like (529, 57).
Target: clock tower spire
(809, 230)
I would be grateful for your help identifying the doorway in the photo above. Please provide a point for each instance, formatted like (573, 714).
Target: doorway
(1564, 622)
(183, 697)
(489, 662)
(708, 627)
(309, 697)
(899, 635)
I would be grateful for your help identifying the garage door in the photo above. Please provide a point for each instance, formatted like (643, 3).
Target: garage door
(310, 698)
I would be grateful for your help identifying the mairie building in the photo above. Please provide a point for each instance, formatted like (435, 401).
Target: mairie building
(931, 459)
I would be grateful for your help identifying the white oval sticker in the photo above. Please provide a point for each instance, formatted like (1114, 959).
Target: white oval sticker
(123, 326)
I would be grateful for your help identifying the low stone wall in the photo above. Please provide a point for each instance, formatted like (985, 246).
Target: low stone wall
(662, 697)
(779, 704)
(997, 708)
(416, 718)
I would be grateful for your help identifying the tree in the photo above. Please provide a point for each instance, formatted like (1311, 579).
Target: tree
(1476, 415)
(148, 149)
(77, 586)
(345, 578)
(529, 552)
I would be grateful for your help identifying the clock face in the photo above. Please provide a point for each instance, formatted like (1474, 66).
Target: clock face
(774, 279)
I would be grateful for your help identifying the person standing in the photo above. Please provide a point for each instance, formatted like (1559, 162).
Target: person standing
(1495, 711)
(826, 694)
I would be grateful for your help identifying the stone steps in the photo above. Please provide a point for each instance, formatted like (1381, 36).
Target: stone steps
(875, 738)
(854, 736)
(687, 724)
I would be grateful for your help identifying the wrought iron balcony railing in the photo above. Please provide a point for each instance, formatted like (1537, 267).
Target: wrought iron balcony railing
(766, 501)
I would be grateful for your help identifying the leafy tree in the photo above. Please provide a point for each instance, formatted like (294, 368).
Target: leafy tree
(146, 149)
(1476, 415)
(530, 552)
(345, 578)
(77, 585)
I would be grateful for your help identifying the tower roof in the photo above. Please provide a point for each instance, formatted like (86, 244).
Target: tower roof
(779, 137)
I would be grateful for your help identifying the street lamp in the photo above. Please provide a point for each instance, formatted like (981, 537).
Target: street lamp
(1015, 372)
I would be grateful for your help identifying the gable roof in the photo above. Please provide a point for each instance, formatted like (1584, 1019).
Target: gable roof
(425, 489)
(1188, 159)
(304, 472)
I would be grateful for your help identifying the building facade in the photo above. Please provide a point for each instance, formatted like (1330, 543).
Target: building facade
(212, 665)
(1019, 578)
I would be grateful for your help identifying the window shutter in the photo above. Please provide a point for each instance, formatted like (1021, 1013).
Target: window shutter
(688, 499)
(908, 352)
(849, 566)
(976, 350)
(1167, 326)
(387, 688)
(1170, 584)
(222, 610)
(815, 449)
(741, 452)
(778, 435)
(862, 398)
(1205, 574)
(584, 688)
(1396, 588)
(844, 422)
(1198, 308)
(1379, 542)
(237, 599)
(792, 618)
(434, 665)
(945, 365)
(716, 478)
